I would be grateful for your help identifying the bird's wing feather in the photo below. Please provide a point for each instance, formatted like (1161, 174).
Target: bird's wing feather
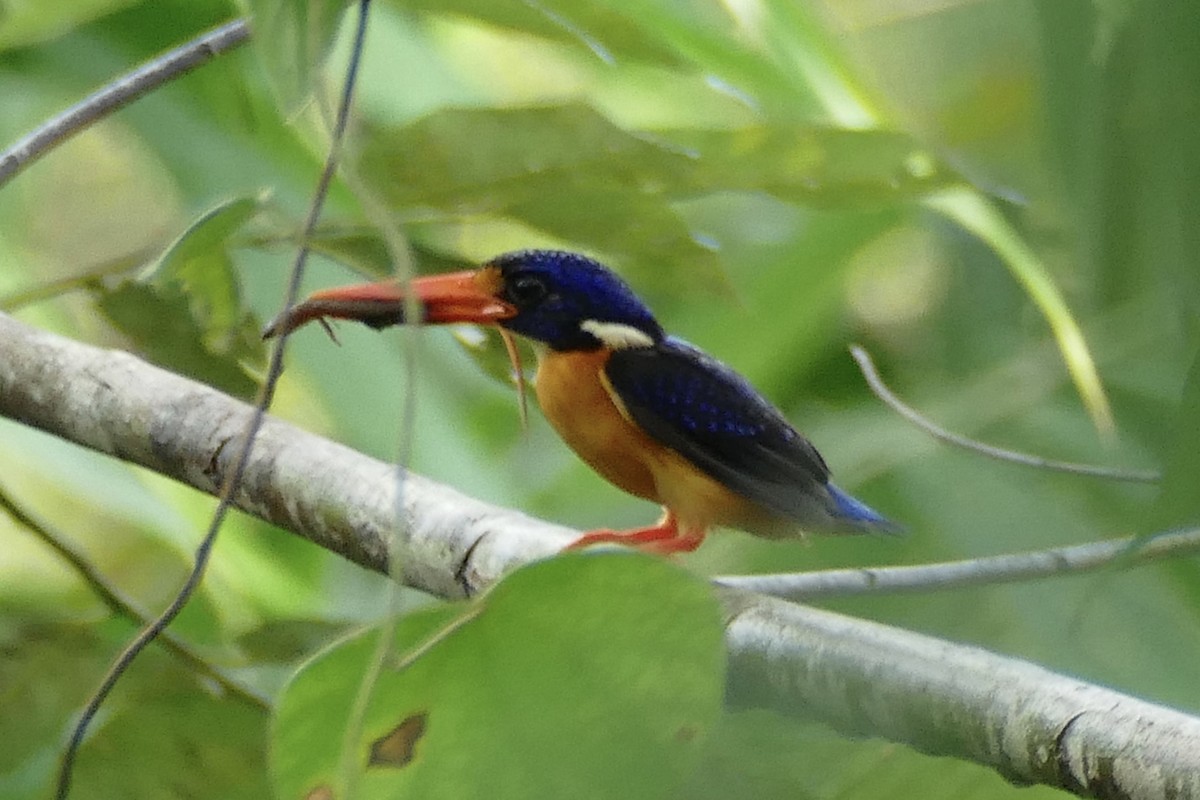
(713, 417)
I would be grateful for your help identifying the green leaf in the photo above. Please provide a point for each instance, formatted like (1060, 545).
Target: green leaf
(186, 312)
(484, 159)
(198, 261)
(279, 641)
(600, 28)
(814, 165)
(293, 38)
(565, 170)
(360, 248)
(209, 232)
(589, 675)
(159, 320)
(366, 250)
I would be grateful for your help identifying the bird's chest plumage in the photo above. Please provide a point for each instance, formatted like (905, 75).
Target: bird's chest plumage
(570, 389)
(575, 398)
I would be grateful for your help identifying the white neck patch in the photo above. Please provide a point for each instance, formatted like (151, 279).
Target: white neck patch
(616, 335)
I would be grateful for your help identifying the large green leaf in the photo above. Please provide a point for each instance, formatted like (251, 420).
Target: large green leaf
(589, 675)
(565, 170)
(484, 160)
(568, 171)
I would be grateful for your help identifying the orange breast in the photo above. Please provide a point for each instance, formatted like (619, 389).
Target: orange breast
(574, 400)
(571, 391)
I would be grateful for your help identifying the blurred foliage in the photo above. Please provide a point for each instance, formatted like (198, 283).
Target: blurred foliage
(295, 37)
(767, 174)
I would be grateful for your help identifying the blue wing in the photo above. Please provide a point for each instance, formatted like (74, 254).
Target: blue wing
(713, 417)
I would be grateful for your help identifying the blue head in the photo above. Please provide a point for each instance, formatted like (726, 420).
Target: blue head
(570, 302)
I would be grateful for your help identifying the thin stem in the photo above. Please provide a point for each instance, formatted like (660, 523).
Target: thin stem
(244, 446)
(121, 605)
(1090, 557)
(119, 94)
(880, 389)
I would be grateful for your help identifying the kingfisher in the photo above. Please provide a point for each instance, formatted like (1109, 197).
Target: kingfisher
(654, 415)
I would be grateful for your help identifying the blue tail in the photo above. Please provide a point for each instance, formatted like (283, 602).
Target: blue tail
(858, 516)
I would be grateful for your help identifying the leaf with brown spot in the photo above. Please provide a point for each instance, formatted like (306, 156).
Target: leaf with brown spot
(322, 792)
(603, 672)
(398, 747)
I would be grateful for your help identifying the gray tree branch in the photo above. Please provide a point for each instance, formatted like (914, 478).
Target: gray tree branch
(120, 93)
(1030, 724)
(892, 401)
(1125, 552)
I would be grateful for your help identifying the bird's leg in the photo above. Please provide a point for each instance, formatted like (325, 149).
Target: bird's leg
(662, 538)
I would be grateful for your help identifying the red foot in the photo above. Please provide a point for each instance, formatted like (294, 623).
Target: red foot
(663, 538)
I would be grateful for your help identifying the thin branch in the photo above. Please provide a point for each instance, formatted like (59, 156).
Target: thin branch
(1090, 557)
(119, 604)
(120, 93)
(864, 678)
(244, 443)
(889, 398)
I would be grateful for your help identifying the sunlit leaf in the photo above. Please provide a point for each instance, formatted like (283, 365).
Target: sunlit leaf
(607, 31)
(594, 675)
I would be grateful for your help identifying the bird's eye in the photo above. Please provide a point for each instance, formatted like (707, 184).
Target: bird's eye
(526, 290)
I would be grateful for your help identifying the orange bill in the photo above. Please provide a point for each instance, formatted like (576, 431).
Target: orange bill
(454, 297)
